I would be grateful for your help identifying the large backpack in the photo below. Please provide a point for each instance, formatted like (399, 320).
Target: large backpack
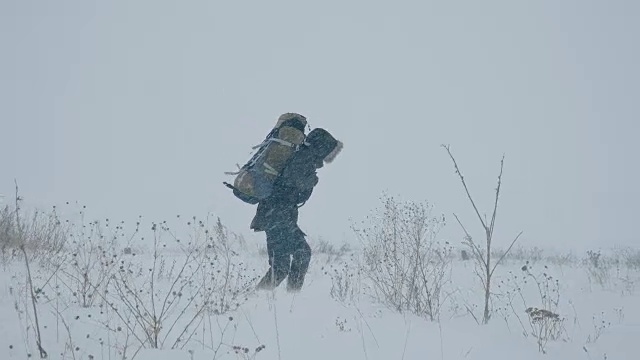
(254, 180)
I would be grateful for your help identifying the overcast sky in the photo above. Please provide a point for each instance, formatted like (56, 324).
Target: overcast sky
(139, 107)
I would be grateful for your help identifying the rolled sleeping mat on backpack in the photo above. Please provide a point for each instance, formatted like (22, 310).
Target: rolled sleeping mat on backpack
(288, 137)
(292, 119)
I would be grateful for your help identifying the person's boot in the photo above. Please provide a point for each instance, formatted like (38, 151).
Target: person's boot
(266, 283)
(299, 267)
(271, 280)
(276, 274)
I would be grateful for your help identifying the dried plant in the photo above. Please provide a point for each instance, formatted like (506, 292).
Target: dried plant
(483, 258)
(546, 326)
(405, 264)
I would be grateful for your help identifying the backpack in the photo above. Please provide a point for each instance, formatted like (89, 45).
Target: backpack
(254, 180)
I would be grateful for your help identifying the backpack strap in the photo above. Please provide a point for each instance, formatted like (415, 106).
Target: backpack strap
(279, 141)
(283, 142)
(234, 172)
(270, 169)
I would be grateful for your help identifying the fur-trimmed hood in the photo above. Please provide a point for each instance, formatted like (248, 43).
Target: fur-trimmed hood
(323, 145)
(332, 155)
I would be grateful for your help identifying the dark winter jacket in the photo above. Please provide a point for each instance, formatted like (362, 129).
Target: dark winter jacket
(292, 189)
(295, 185)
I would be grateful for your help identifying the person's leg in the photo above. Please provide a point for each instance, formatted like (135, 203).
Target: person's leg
(300, 262)
(279, 253)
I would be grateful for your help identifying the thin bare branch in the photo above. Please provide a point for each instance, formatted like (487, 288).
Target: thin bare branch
(22, 239)
(474, 247)
(464, 183)
(505, 253)
(472, 314)
(462, 226)
(43, 353)
(495, 206)
(480, 276)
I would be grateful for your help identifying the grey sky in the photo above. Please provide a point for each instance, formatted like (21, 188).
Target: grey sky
(139, 107)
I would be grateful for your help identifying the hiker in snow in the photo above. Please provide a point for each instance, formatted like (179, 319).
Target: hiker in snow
(289, 253)
(280, 178)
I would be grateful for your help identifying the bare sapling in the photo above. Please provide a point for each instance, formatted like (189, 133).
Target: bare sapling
(484, 268)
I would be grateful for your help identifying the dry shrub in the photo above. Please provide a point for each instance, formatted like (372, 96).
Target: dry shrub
(407, 267)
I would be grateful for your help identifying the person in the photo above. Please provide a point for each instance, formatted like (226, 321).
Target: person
(288, 251)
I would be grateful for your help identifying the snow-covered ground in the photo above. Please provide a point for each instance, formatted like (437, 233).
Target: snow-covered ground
(200, 304)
